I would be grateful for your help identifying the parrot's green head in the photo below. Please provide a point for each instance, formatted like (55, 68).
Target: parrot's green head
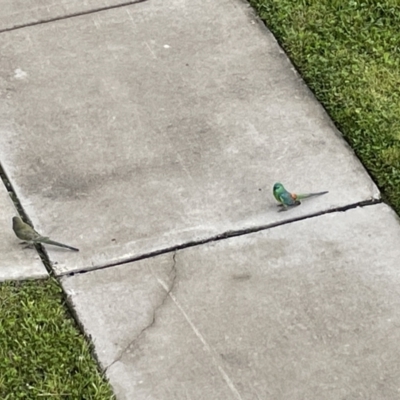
(278, 187)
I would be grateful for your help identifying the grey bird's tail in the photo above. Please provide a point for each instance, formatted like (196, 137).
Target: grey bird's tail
(52, 242)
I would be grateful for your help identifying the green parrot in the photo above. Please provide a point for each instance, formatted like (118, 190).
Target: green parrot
(287, 199)
(26, 233)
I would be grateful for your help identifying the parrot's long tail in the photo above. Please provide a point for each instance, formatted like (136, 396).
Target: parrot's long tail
(307, 195)
(52, 242)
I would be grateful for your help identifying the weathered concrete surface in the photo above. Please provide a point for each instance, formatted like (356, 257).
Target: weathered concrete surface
(134, 130)
(16, 13)
(15, 261)
(308, 310)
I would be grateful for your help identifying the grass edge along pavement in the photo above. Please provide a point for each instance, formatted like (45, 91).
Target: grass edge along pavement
(348, 53)
(43, 354)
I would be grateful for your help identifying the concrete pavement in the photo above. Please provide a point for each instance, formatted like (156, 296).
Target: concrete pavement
(147, 127)
(308, 310)
(14, 15)
(134, 131)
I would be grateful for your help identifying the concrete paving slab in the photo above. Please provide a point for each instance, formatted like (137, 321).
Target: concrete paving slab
(15, 262)
(308, 310)
(19, 13)
(131, 131)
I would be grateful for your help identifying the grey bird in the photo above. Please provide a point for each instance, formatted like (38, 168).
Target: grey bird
(26, 233)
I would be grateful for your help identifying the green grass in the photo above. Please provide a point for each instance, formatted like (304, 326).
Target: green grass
(348, 52)
(42, 353)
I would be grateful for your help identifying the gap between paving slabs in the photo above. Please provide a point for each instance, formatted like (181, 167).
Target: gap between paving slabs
(21, 212)
(67, 16)
(225, 235)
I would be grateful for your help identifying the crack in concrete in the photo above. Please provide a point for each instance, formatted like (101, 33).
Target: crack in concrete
(168, 291)
(225, 235)
(215, 357)
(168, 294)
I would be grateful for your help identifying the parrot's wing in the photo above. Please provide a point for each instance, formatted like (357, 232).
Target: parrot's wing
(37, 236)
(30, 234)
(288, 199)
(40, 238)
